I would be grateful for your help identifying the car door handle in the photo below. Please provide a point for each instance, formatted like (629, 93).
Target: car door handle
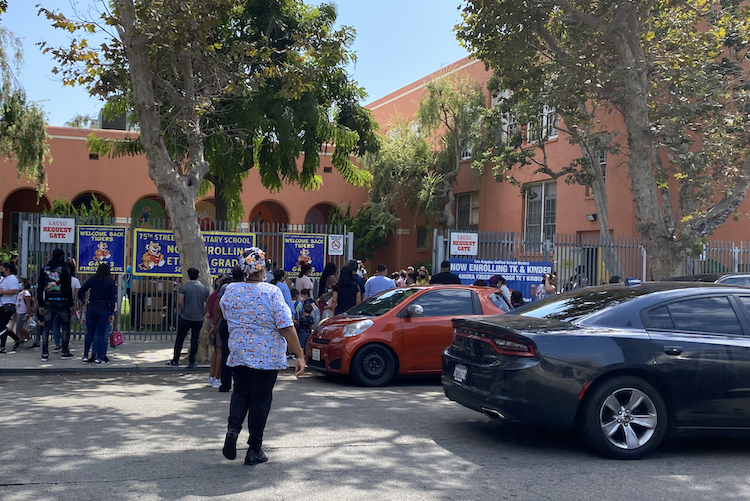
(672, 350)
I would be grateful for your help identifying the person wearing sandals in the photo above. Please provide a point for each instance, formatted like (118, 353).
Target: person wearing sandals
(100, 311)
(260, 330)
(8, 291)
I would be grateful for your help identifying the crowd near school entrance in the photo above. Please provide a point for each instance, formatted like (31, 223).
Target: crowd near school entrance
(145, 261)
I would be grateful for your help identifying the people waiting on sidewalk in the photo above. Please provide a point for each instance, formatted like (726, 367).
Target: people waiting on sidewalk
(260, 330)
(191, 304)
(100, 311)
(55, 297)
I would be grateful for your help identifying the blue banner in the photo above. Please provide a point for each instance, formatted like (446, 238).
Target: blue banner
(304, 247)
(155, 252)
(520, 275)
(101, 245)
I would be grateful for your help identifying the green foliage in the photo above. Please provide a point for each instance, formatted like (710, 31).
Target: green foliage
(371, 227)
(82, 122)
(63, 207)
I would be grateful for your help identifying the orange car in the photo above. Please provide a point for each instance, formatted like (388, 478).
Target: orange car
(402, 331)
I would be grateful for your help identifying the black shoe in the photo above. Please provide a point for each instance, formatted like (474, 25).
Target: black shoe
(67, 356)
(230, 445)
(45, 357)
(2, 350)
(35, 345)
(105, 360)
(17, 344)
(192, 365)
(224, 389)
(255, 457)
(173, 363)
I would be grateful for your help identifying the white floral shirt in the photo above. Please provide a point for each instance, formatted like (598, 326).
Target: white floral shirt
(255, 312)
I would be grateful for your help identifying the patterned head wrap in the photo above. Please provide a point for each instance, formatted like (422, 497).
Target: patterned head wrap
(252, 260)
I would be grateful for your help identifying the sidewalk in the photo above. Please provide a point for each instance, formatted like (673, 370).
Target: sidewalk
(141, 357)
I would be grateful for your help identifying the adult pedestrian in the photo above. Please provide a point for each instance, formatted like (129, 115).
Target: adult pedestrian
(191, 304)
(214, 373)
(423, 278)
(445, 276)
(346, 293)
(55, 298)
(279, 280)
(9, 289)
(327, 279)
(379, 282)
(303, 278)
(100, 311)
(499, 282)
(260, 331)
(354, 265)
(220, 324)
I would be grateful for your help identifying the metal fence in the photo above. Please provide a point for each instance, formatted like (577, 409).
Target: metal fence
(148, 308)
(576, 255)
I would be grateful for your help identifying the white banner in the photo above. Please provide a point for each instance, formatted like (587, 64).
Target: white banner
(335, 245)
(464, 244)
(54, 229)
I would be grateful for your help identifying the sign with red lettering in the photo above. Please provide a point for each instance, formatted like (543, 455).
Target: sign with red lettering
(464, 244)
(55, 229)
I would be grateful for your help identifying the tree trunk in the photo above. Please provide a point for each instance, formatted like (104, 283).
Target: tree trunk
(609, 254)
(665, 259)
(219, 200)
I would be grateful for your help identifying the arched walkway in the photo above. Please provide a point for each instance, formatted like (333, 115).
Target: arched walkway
(85, 198)
(149, 212)
(268, 212)
(23, 200)
(206, 210)
(319, 214)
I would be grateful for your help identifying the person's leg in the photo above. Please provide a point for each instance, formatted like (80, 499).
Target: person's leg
(226, 372)
(48, 316)
(105, 337)
(195, 332)
(97, 323)
(90, 333)
(56, 332)
(182, 330)
(238, 405)
(260, 397)
(215, 370)
(64, 314)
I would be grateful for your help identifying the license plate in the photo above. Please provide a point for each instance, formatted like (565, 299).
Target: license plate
(459, 373)
(316, 354)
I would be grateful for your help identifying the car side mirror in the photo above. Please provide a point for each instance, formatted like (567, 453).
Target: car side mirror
(414, 310)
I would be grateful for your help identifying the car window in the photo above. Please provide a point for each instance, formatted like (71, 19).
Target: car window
(381, 304)
(736, 281)
(499, 301)
(447, 302)
(704, 314)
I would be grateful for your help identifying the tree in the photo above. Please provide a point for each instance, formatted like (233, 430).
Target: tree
(82, 122)
(183, 64)
(23, 131)
(675, 73)
(371, 227)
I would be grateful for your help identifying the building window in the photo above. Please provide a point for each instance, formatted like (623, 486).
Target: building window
(545, 128)
(466, 153)
(327, 170)
(467, 211)
(603, 164)
(423, 237)
(541, 214)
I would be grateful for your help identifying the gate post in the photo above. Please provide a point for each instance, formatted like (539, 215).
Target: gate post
(349, 246)
(24, 257)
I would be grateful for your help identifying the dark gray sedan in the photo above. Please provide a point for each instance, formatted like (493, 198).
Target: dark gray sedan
(625, 365)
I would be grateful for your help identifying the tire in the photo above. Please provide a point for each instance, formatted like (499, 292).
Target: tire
(624, 418)
(373, 365)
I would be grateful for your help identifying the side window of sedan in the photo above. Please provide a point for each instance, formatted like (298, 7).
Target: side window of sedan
(498, 300)
(449, 302)
(705, 314)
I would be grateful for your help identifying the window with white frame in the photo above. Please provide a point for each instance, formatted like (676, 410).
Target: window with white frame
(602, 158)
(545, 128)
(467, 211)
(423, 237)
(541, 214)
(466, 153)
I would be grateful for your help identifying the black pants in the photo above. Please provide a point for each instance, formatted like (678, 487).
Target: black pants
(52, 311)
(5, 317)
(184, 326)
(226, 372)
(253, 392)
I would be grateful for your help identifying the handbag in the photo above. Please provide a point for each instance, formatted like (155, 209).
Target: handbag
(115, 339)
(9, 308)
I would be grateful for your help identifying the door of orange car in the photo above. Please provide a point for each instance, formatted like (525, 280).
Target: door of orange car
(424, 337)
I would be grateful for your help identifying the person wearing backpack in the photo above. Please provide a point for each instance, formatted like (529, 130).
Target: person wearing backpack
(55, 297)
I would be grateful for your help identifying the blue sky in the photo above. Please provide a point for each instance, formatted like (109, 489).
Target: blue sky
(397, 42)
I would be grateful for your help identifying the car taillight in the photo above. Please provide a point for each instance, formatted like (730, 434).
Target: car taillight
(500, 344)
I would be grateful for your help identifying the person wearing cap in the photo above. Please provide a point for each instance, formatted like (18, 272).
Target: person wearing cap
(260, 331)
(445, 276)
(498, 281)
(55, 298)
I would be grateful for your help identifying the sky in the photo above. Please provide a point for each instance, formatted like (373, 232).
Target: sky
(398, 42)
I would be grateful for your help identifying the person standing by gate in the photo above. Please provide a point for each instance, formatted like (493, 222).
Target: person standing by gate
(191, 304)
(100, 311)
(55, 297)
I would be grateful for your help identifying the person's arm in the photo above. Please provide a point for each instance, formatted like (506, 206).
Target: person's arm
(82, 291)
(334, 300)
(112, 300)
(10, 292)
(292, 341)
(548, 287)
(359, 296)
(367, 289)
(27, 300)
(180, 303)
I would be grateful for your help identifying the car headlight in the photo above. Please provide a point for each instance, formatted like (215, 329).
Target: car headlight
(357, 328)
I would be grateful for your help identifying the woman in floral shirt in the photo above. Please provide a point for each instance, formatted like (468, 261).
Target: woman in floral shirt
(260, 329)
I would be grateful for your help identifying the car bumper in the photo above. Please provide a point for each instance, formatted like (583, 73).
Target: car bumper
(330, 356)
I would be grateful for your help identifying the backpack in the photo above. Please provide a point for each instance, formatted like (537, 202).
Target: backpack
(53, 286)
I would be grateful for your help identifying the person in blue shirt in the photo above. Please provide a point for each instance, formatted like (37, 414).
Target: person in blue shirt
(279, 280)
(379, 282)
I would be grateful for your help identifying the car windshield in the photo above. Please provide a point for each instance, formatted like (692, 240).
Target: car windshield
(576, 305)
(379, 305)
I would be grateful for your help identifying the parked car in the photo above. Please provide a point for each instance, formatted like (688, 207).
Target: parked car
(402, 331)
(715, 278)
(627, 366)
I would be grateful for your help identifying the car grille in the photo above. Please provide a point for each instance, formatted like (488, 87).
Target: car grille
(317, 340)
(318, 363)
(335, 365)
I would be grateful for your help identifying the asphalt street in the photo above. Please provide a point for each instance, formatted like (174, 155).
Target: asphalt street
(159, 437)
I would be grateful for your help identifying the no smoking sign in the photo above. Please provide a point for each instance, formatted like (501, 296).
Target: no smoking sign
(335, 245)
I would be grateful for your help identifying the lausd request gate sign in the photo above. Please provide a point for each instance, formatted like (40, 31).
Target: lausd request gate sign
(57, 230)
(464, 244)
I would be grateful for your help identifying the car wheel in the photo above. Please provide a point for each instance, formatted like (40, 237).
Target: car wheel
(373, 365)
(624, 418)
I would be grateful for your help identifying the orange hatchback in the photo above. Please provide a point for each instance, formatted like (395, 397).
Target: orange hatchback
(398, 332)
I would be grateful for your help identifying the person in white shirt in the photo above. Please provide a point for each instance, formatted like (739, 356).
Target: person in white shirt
(379, 282)
(9, 289)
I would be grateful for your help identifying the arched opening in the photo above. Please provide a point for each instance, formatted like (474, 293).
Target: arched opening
(265, 218)
(319, 214)
(84, 199)
(268, 213)
(149, 212)
(23, 200)
(206, 210)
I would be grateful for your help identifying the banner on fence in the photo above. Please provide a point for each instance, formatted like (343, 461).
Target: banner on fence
(57, 230)
(309, 248)
(101, 245)
(155, 252)
(520, 275)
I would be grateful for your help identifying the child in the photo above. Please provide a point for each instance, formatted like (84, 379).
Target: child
(297, 311)
(305, 298)
(306, 324)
